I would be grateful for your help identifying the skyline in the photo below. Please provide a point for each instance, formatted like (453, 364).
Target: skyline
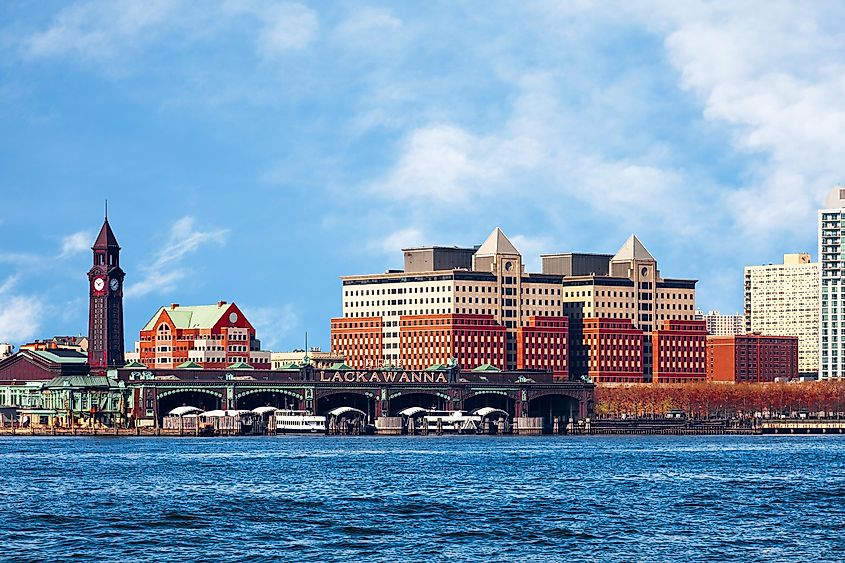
(235, 171)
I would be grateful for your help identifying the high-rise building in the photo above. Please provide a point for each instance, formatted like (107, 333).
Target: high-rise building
(783, 300)
(448, 302)
(481, 307)
(722, 325)
(630, 288)
(831, 317)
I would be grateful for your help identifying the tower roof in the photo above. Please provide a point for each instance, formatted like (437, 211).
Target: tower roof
(106, 238)
(835, 198)
(496, 243)
(633, 249)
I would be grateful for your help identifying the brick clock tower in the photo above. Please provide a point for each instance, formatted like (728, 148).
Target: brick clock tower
(105, 312)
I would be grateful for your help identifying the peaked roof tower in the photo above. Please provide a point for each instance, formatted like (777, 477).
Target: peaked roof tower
(496, 243)
(106, 238)
(633, 249)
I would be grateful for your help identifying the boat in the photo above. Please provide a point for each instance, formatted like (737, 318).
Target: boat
(290, 421)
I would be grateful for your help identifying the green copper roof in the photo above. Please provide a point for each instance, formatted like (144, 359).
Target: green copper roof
(63, 358)
(135, 364)
(486, 367)
(77, 381)
(341, 366)
(435, 367)
(194, 316)
(291, 365)
(239, 365)
(189, 365)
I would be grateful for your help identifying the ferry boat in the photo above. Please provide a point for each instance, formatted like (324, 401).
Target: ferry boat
(289, 421)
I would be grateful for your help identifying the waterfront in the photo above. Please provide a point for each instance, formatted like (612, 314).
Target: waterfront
(314, 498)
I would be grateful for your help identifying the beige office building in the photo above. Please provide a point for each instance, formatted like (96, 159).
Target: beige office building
(783, 300)
(722, 325)
(629, 287)
(487, 280)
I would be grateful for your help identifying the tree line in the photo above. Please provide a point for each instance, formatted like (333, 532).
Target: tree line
(701, 400)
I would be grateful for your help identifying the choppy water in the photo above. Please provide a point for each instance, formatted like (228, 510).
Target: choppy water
(423, 499)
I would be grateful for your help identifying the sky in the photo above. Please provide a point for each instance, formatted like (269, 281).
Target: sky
(256, 151)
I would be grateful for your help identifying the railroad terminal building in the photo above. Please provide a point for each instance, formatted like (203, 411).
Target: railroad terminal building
(600, 316)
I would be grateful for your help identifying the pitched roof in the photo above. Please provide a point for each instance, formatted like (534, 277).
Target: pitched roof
(486, 367)
(195, 316)
(135, 364)
(189, 365)
(106, 238)
(340, 366)
(633, 249)
(496, 243)
(61, 356)
(239, 365)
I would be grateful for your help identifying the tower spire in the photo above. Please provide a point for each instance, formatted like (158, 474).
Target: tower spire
(107, 210)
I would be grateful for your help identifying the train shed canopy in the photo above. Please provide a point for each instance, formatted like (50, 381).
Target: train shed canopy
(182, 411)
(412, 411)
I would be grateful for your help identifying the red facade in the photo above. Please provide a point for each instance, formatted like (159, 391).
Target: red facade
(541, 344)
(230, 339)
(359, 341)
(434, 339)
(751, 358)
(614, 350)
(678, 352)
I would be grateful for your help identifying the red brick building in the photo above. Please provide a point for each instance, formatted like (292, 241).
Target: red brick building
(541, 344)
(435, 339)
(751, 358)
(359, 341)
(614, 350)
(210, 336)
(678, 351)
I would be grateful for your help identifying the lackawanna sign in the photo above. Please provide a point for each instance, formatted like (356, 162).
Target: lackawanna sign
(433, 377)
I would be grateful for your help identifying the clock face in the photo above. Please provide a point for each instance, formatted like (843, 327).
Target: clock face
(114, 284)
(99, 284)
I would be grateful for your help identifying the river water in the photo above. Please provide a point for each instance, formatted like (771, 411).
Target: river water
(320, 498)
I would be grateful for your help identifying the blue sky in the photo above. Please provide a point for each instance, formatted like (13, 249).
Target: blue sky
(256, 151)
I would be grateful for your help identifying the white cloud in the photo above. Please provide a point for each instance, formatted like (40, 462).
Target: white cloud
(99, 30)
(402, 238)
(76, 243)
(531, 247)
(775, 74)
(368, 26)
(20, 315)
(168, 265)
(284, 27)
(272, 324)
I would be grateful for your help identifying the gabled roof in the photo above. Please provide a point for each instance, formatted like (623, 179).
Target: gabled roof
(436, 367)
(496, 243)
(135, 364)
(239, 365)
(189, 365)
(633, 249)
(340, 366)
(61, 356)
(106, 238)
(486, 367)
(194, 316)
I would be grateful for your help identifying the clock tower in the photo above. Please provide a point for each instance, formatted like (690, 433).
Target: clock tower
(105, 312)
